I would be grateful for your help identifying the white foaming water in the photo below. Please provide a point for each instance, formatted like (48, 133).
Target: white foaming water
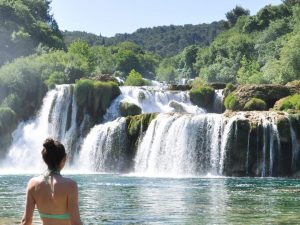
(270, 135)
(218, 106)
(153, 99)
(181, 145)
(51, 121)
(104, 148)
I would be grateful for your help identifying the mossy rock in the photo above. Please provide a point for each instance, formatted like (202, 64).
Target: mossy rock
(255, 104)
(138, 123)
(288, 103)
(129, 109)
(135, 125)
(202, 96)
(268, 93)
(94, 97)
(177, 106)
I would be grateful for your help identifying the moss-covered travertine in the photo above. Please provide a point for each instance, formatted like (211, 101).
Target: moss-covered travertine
(135, 126)
(129, 109)
(8, 122)
(255, 104)
(202, 96)
(267, 93)
(94, 97)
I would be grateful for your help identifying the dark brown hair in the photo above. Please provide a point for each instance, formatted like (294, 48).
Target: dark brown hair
(53, 153)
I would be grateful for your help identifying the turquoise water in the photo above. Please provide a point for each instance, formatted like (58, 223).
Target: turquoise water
(115, 199)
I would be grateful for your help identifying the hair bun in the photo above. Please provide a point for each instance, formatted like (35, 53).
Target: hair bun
(49, 143)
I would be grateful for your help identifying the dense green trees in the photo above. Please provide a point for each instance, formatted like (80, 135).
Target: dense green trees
(24, 24)
(258, 49)
(162, 40)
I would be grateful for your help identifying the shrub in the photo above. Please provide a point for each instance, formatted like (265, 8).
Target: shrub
(290, 102)
(255, 104)
(135, 79)
(229, 88)
(231, 102)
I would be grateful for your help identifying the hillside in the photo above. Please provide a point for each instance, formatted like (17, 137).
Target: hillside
(163, 40)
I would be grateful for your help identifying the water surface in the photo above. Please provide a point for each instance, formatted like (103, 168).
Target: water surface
(115, 199)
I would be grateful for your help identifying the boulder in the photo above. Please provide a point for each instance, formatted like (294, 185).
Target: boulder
(177, 106)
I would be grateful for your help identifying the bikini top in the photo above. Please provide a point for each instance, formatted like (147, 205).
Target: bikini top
(64, 216)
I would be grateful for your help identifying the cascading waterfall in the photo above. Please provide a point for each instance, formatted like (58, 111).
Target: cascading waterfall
(104, 149)
(180, 145)
(183, 140)
(271, 143)
(218, 106)
(153, 99)
(57, 118)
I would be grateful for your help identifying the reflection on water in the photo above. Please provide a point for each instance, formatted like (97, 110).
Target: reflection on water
(114, 199)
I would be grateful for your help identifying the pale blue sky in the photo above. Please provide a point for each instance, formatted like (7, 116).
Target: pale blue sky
(109, 17)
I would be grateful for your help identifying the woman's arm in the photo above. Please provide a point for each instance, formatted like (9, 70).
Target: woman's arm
(73, 204)
(29, 205)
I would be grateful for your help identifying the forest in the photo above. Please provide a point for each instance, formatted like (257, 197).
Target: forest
(35, 55)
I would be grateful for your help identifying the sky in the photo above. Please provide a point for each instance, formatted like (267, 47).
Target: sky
(108, 17)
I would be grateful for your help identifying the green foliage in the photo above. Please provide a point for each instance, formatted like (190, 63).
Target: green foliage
(202, 95)
(165, 41)
(228, 89)
(249, 72)
(135, 79)
(24, 25)
(233, 15)
(255, 104)
(290, 102)
(231, 102)
(8, 120)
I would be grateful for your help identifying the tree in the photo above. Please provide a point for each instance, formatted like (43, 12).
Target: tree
(233, 15)
(134, 79)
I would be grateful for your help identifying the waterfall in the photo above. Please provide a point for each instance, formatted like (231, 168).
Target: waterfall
(57, 118)
(180, 145)
(270, 136)
(218, 106)
(104, 149)
(153, 99)
(295, 148)
(183, 140)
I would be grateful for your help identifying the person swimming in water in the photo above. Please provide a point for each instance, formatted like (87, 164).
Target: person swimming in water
(56, 197)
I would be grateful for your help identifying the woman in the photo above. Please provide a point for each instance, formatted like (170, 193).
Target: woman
(56, 197)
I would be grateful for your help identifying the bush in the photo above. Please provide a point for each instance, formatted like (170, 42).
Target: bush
(290, 102)
(231, 102)
(135, 79)
(202, 96)
(255, 104)
(228, 89)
